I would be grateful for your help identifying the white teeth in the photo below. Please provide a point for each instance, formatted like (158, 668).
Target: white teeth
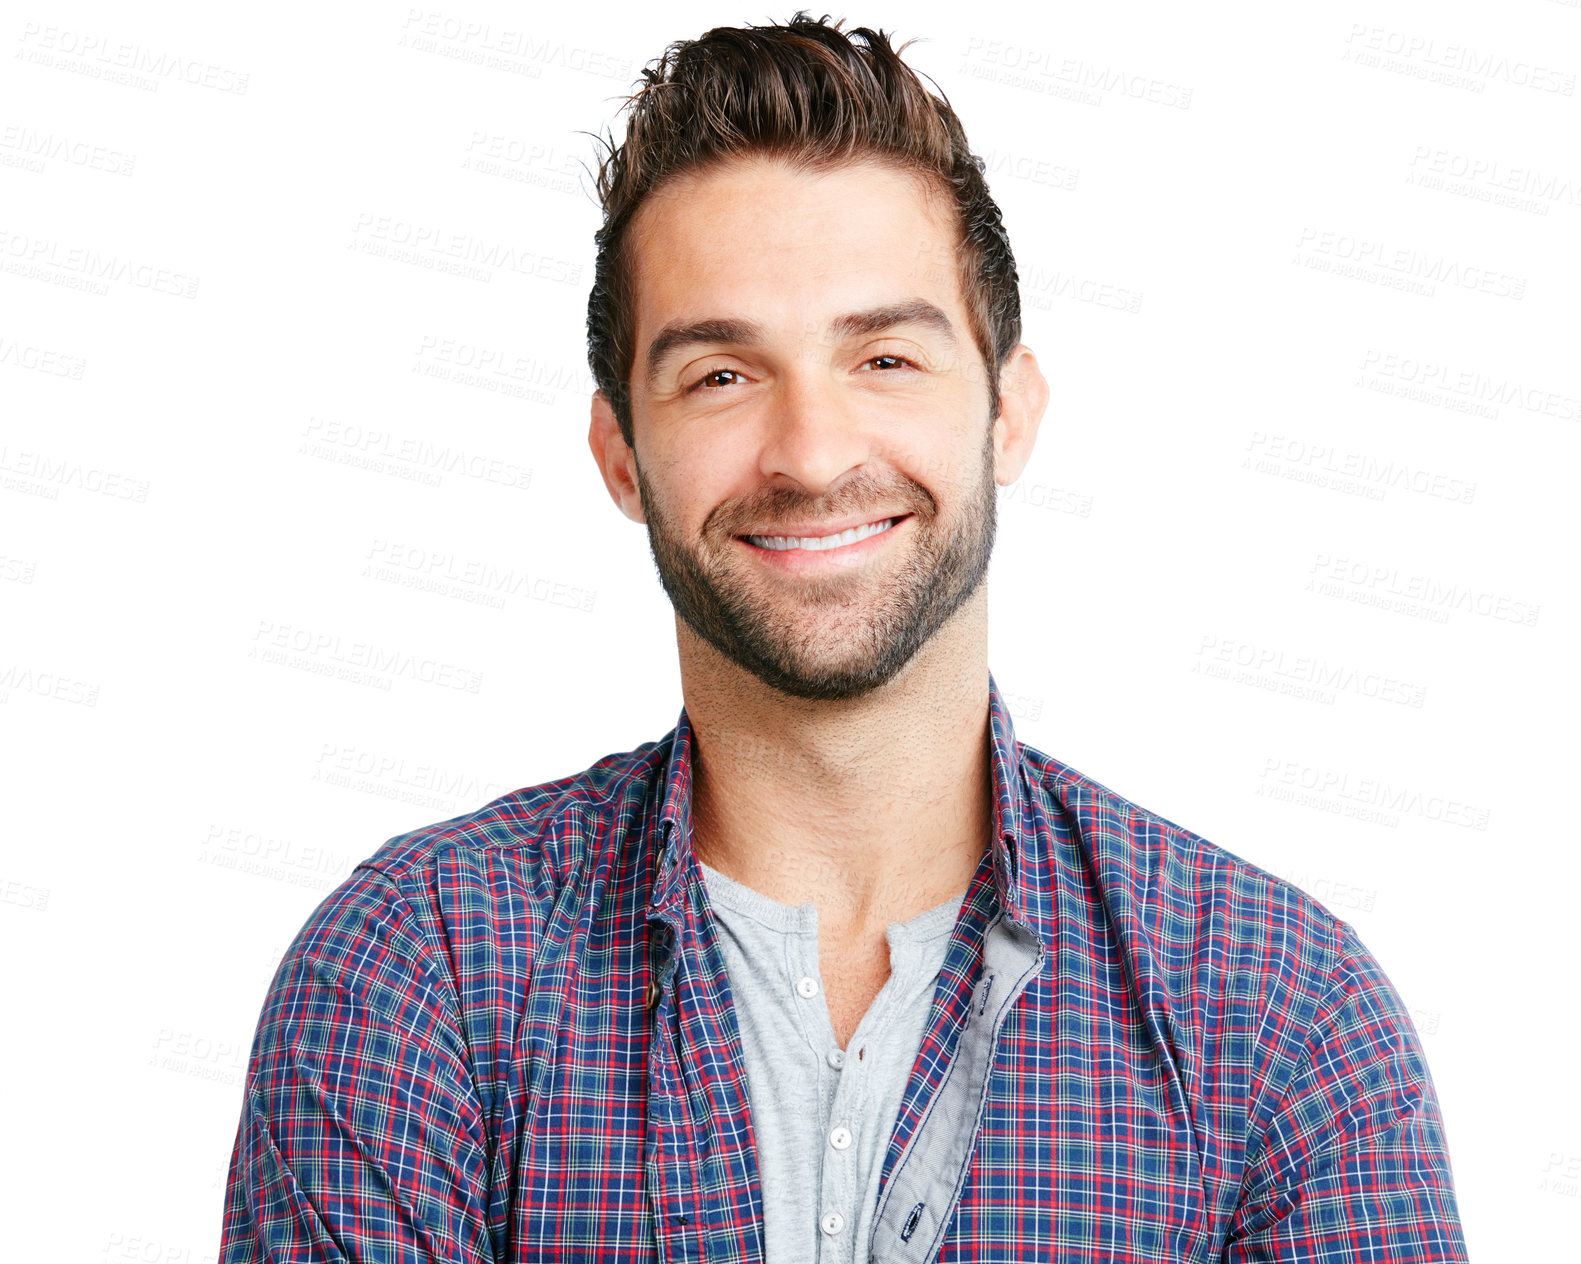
(821, 542)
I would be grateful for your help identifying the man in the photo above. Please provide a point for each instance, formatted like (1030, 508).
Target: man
(838, 969)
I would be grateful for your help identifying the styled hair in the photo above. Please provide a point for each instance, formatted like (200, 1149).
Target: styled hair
(814, 96)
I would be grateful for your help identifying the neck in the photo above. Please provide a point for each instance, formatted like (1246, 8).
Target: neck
(873, 808)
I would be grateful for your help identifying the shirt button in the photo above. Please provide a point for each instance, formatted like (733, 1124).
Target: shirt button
(832, 1223)
(836, 1058)
(807, 986)
(840, 1138)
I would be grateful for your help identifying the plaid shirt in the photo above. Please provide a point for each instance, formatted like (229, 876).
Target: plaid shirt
(509, 1037)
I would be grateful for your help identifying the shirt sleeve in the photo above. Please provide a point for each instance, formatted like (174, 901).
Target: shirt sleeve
(1353, 1165)
(361, 1135)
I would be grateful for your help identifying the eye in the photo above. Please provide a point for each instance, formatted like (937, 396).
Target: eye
(702, 382)
(897, 360)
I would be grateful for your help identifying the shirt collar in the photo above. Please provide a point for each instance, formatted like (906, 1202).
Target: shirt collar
(673, 847)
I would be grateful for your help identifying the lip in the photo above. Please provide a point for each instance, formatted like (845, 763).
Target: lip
(816, 531)
(808, 561)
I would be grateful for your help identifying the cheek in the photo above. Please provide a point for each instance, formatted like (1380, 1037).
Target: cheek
(690, 487)
(951, 468)
(716, 469)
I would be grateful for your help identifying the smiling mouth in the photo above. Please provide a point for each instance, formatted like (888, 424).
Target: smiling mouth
(782, 543)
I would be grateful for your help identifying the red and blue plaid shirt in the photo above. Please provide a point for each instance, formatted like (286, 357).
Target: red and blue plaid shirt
(509, 1037)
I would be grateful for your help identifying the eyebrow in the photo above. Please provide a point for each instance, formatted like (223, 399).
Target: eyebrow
(748, 333)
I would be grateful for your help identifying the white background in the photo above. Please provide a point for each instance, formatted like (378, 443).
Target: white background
(1303, 279)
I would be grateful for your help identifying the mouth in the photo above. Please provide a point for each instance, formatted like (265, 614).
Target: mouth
(824, 543)
(810, 556)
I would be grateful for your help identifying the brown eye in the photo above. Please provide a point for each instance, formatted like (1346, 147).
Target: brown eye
(898, 360)
(709, 377)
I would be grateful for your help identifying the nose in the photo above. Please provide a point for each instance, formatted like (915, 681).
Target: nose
(813, 435)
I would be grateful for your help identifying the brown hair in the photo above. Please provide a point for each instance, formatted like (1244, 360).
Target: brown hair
(817, 97)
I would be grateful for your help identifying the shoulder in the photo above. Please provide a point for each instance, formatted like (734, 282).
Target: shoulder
(543, 832)
(1214, 938)
(1242, 977)
(1168, 880)
(429, 898)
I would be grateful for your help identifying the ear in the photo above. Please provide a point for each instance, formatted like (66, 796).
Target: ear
(616, 461)
(1023, 397)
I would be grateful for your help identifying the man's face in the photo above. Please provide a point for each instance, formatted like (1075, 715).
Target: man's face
(805, 365)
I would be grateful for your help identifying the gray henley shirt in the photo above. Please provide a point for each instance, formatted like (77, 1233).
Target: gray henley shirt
(822, 1116)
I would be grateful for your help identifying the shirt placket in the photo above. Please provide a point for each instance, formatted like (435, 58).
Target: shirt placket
(920, 1195)
(837, 1185)
(671, 1138)
(837, 1215)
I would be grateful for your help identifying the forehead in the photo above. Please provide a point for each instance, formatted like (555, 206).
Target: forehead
(753, 237)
